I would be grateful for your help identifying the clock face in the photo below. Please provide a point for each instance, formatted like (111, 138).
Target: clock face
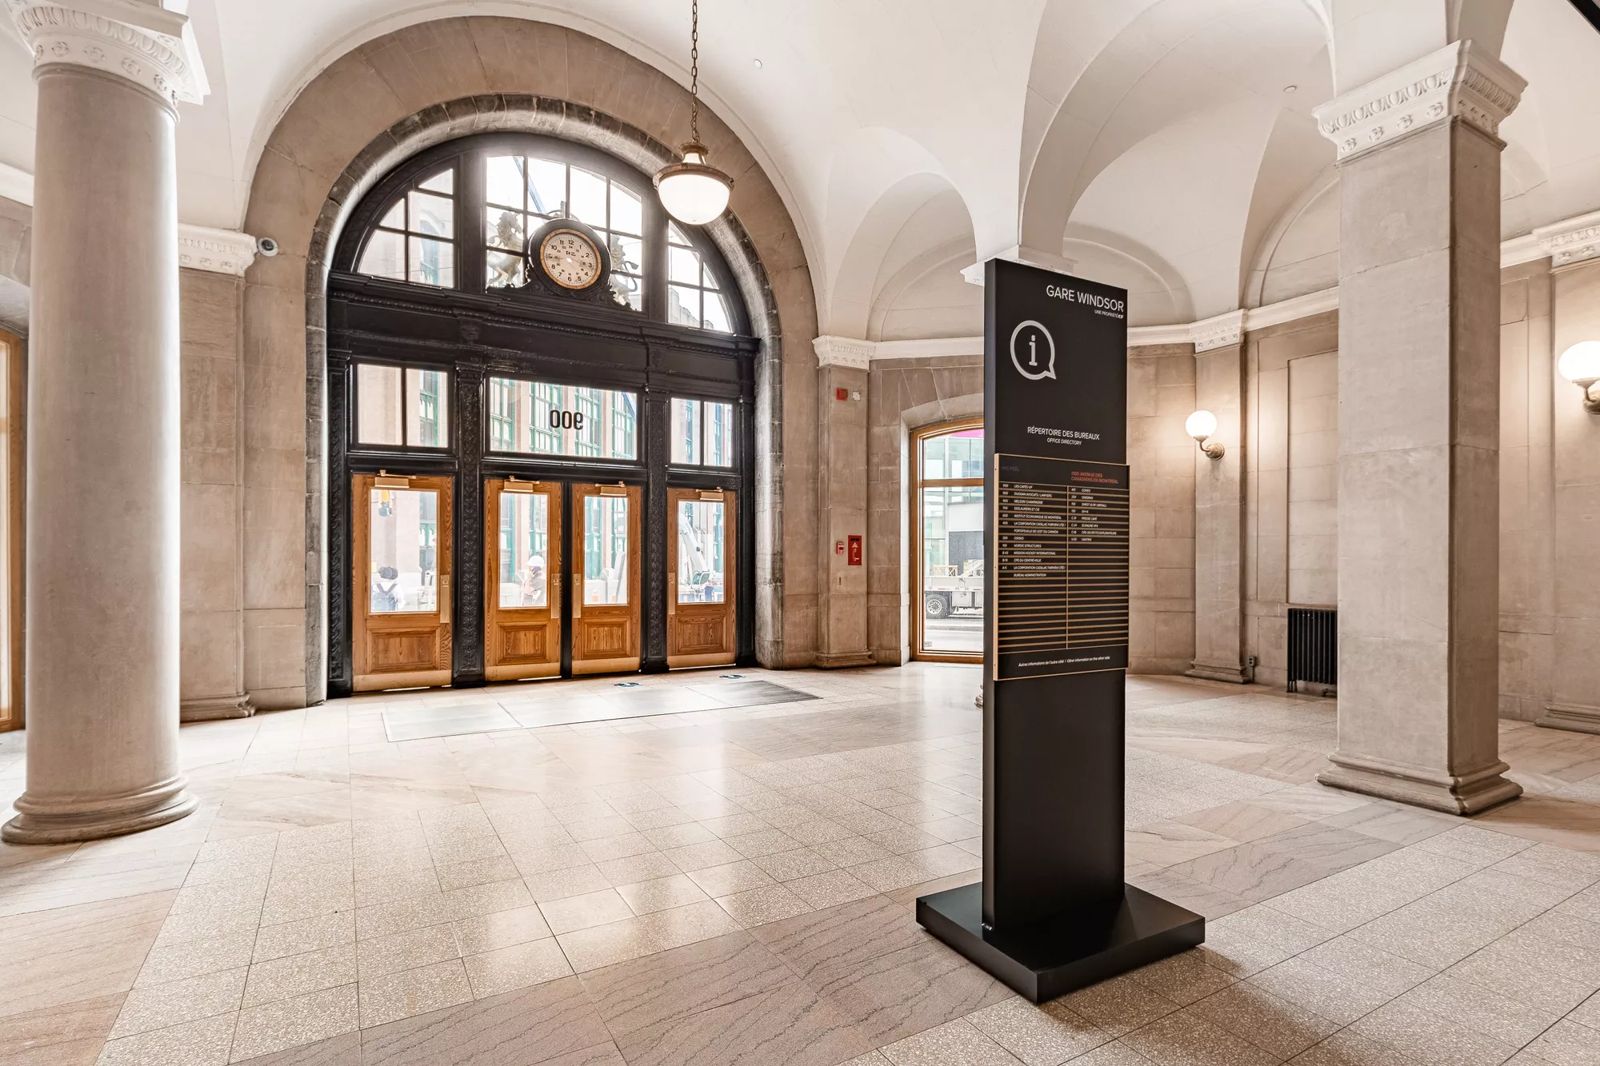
(569, 259)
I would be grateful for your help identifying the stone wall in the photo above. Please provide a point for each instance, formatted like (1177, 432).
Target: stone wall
(1291, 506)
(211, 667)
(904, 395)
(1161, 390)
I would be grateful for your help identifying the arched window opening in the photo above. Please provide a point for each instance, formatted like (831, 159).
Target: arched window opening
(415, 239)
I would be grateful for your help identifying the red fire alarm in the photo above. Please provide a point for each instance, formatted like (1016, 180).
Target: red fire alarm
(841, 395)
(838, 547)
(855, 550)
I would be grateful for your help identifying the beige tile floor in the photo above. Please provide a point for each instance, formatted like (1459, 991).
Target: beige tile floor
(734, 884)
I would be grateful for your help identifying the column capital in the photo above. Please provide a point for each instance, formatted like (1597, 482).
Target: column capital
(147, 42)
(843, 351)
(1457, 81)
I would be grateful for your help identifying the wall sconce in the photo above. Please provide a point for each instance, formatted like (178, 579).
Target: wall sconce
(1580, 364)
(1201, 425)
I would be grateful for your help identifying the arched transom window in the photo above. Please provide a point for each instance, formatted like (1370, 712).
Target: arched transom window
(461, 216)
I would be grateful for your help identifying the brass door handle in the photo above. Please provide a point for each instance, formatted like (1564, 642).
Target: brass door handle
(672, 594)
(444, 599)
(577, 594)
(553, 603)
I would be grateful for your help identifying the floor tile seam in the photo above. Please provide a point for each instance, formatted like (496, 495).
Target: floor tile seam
(1338, 1028)
(1464, 958)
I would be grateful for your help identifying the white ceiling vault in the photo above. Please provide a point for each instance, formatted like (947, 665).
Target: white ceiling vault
(1162, 145)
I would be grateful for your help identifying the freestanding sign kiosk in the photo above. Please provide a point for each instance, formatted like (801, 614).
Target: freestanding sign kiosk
(1052, 912)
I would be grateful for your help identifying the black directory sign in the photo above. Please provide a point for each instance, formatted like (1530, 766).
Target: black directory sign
(1061, 553)
(1052, 912)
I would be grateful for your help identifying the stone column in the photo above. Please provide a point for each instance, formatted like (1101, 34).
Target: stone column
(842, 499)
(1419, 274)
(1575, 679)
(1219, 503)
(103, 426)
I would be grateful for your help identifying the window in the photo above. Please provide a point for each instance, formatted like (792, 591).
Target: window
(693, 298)
(502, 415)
(949, 560)
(702, 433)
(569, 420)
(522, 192)
(404, 407)
(415, 238)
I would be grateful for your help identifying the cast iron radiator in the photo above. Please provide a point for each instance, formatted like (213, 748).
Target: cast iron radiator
(1313, 646)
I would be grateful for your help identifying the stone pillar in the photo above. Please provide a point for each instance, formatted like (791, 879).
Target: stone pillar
(103, 426)
(1219, 503)
(1575, 679)
(1419, 275)
(842, 499)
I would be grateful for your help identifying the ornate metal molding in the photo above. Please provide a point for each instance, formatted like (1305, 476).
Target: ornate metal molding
(843, 351)
(1456, 82)
(218, 250)
(148, 44)
(1219, 331)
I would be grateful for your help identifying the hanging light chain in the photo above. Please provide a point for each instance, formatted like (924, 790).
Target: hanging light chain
(694, 70)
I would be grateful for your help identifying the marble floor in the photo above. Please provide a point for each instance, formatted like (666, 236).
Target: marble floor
(724, 883)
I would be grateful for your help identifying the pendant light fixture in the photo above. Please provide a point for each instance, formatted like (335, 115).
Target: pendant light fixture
(693, 191)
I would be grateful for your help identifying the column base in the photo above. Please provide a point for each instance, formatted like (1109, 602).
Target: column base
(844, 659)
(1571, 716)
(1209, 672)
(1466, 795)
(215, 707)
(58, 822)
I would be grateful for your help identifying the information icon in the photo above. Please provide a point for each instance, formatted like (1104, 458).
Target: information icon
(1033, 351)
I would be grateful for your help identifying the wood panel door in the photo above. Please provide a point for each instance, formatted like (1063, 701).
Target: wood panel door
(522, 579)
(605, 578)
(401, 581)
(700, 578)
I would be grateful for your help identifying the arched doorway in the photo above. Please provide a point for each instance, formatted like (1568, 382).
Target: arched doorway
(947, 558)
(540, 425)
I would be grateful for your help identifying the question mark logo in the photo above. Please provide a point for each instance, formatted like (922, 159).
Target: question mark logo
(1032, 361)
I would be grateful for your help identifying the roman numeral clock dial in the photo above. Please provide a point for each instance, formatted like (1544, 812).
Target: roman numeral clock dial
(570, 259)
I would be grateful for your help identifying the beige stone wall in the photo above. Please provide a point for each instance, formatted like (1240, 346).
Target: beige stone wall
(1161, 394)
(1303, 352)
(211, 664)
(1291, 498)
(1527, 516)
(904, 395)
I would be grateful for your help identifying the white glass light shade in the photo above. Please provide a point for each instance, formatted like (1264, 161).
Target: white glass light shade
(692, 191)
(1580, 364)
(1200, 425)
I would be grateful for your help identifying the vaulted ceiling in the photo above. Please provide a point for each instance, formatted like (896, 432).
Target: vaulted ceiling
(1163, 145)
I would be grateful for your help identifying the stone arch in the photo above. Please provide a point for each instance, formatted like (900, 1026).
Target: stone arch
(379, 104)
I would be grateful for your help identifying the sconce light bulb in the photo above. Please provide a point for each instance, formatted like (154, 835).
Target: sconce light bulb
(1580, 364)
(1200, 425)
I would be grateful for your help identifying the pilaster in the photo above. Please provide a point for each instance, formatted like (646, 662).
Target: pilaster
(842, 381)
(1219, 503)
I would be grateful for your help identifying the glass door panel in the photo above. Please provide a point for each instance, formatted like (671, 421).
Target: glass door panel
(522, 560)
(605, 574)
(700, 609)
(949, 561)
(402, 581)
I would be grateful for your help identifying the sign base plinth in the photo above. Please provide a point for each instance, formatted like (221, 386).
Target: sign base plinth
(1046, 960)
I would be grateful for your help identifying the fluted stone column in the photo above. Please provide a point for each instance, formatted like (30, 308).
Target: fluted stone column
(1419, 299)
(103, 425)
(1219, 503)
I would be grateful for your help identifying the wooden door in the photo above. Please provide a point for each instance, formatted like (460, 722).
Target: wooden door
(522, 579)
(700, 578)
(605, 578)
(401, 581)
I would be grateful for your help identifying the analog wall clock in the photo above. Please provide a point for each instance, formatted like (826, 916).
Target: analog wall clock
(568, 257)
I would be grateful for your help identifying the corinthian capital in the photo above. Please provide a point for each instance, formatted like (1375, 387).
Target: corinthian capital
(148, 42)
(1456, 82)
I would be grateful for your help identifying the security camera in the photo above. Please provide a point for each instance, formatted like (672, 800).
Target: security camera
(266, 246)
